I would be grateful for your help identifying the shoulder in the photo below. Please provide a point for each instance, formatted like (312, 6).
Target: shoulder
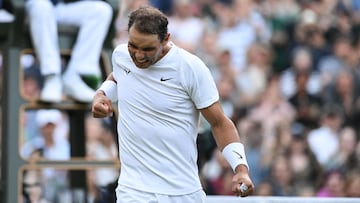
(189, 59)
(120, 54)
(121, 50)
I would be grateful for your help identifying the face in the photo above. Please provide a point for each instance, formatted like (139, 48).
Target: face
(145, 49)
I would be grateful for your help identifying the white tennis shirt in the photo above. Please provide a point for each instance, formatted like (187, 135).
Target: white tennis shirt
(158, 120)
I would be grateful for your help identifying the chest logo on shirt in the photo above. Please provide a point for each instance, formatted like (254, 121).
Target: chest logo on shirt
(127, 71)
(164, 79)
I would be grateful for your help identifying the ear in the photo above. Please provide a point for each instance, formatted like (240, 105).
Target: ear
(166, 39)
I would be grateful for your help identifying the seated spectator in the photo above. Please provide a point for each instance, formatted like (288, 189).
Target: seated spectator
(32, 187)
(303, 163)
(44, 16)
(333, 184)
(301, 61)
(122, 18)
(217, 174)
(327, 132)
(101, 145)
(273, 109)
(55, 146)
(52, 142)
(345, 157)
(343, 91)
(186, 29)
(251, 81)
(352, 185)
(281, 177)
(32, 83)
(240, 25)
(307, 105)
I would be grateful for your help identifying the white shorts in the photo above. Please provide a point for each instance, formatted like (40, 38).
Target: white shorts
(129, 195)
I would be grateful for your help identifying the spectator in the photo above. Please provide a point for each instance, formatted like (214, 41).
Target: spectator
(344, 93)
(93, 28)
(264, 189)
(252, 80)
(327, 132)
(334, 184)
(252, 134)
(282, 15)
(100, 145)
(281, 177)
(121, 35)
(341, 58)
(55, 145)
(241, 25)
(186, 28)
(352, 185)
(51, 143)
(217, 174)
(345, 157)
(303, 163)
(272, 110)
(301, 62)
(307, 105)
(32, 83)
(32, 187)
(164, 6)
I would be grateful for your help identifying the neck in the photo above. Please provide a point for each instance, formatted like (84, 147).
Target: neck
(166, 49)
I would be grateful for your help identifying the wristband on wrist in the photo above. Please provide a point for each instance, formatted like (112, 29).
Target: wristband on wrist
(110, 89)
(234, 153)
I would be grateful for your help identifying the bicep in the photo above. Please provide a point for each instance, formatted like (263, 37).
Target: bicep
(213, 114)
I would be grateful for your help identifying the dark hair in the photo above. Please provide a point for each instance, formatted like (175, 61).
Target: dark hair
(149, 20)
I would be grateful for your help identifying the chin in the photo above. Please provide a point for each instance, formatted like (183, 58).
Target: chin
(142, 66)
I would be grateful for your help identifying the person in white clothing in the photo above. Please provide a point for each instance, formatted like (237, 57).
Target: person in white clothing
(160, 90)
(93, 19)
(324, 140)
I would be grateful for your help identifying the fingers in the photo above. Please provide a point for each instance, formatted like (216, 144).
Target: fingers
(102, 107)
(102, 110)
(243, 188)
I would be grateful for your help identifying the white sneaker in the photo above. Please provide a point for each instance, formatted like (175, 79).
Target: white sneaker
(77, 89)
(6, 17)
(52, 90)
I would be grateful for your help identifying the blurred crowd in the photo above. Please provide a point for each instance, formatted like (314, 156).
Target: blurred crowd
(288, 74)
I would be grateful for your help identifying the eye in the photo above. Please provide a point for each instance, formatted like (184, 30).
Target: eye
(148, 49)
(132, 46)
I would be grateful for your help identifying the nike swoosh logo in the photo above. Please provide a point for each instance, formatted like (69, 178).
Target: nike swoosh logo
(164, 79)
(240, 156)
(127, 71)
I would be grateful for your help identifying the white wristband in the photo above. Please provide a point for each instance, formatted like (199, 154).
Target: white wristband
(110, 89)
(234, 153)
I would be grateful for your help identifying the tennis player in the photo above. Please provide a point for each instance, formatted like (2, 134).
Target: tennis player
(160, 90)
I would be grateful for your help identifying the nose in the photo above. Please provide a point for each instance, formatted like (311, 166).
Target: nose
(139, 54)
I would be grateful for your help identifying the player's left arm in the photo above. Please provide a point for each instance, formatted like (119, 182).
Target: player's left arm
(228, 141)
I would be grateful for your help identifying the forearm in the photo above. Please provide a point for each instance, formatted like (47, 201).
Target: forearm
(225, 133)
(228, 141)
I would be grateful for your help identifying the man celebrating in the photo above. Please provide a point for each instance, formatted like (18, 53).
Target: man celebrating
(161, 90)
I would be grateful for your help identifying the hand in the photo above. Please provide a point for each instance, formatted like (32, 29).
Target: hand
(241, 182)
(102, 105)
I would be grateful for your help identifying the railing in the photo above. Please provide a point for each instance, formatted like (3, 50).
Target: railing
(273, 199)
